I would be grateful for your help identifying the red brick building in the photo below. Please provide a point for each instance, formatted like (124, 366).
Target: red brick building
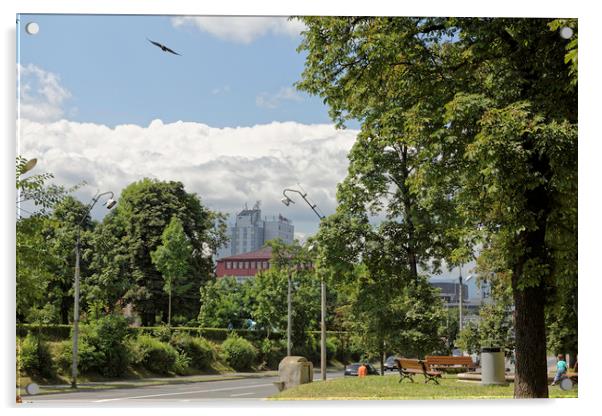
(244, 266)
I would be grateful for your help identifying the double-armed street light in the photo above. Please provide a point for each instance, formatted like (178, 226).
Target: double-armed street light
(287, 201)
(109, 203)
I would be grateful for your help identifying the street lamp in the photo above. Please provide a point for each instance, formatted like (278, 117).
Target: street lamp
(460, 323)
(109, 203)
(287, 201)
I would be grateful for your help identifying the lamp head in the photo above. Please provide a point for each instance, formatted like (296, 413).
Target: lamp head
(287, 201)
(110, 203)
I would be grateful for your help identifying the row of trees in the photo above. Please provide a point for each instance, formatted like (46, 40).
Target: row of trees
(156, 241)
(381, 312)
(468, 139)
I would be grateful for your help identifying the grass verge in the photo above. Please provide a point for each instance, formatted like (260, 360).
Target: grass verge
(388, 388)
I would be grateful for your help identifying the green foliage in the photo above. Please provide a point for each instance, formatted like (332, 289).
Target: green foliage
(468, 136)
(154, 355)
(182, 364)
(271, 352)
(163, 333)
(146, 208)
(200, 352)
(239, 353)
(469, 339)
(34, 357)
(102, 347)
(223, 303)
(35, 189)
(172, 259)
(88, 357)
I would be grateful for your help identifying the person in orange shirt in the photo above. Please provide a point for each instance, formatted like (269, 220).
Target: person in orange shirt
(362, 371)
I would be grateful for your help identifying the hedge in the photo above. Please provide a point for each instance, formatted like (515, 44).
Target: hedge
(58, 332)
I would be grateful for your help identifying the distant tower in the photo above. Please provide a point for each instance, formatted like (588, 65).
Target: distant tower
(250, 232)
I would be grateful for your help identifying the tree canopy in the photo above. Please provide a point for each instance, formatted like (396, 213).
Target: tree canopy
(474, 122)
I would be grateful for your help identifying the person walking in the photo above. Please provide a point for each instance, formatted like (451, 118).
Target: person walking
(362, 371)
(561, 369)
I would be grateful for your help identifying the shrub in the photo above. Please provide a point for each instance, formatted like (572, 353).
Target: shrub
(200, 351)
(108, 335)
(182, 364)
(333, 348)
(162, 333)
(88, 357)
(154, 355)
(271, 352)
(238, 352)
(34, 357)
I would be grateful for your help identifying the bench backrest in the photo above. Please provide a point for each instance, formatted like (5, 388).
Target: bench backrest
(449, 360)
(408, 363)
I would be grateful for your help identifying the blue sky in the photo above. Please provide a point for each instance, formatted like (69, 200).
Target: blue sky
(115, 76)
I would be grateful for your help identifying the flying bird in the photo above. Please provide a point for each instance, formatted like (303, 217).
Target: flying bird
(163, 47)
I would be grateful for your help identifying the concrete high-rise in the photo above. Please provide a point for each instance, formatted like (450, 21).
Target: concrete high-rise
(250, 231)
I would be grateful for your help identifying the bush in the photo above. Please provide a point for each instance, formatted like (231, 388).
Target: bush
(162, 333)
(108, 335)
(333, 348)
(34, 357)
(272, 352)
(88, 358)
(238, 352)
(182, 364)
(200, 351)
(154, 355)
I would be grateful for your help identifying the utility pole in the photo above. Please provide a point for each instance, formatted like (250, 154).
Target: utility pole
(75, 314)
(288, 326)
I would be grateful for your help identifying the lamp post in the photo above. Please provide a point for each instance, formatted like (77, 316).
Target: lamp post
(461, 296)
(287, 201)
(110, 203)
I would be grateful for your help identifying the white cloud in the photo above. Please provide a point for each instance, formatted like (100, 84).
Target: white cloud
(226, 167)
(41, 96)
(241, 29)
(271, 101)
(220, 90)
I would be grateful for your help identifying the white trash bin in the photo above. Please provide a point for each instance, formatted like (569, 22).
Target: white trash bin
(493, 371)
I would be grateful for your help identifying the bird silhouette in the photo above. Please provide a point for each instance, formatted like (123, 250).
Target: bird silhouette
(163, 47)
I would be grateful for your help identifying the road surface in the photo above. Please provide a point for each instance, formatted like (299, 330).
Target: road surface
(225, 390)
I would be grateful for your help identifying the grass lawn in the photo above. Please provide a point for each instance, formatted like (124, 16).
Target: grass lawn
(388, 388)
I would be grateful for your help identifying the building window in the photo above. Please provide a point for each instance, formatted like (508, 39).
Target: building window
(266, 265)
(228, 265)
(253, 266)
(246, 264)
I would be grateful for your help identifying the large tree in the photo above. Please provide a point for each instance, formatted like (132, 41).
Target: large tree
(145, 209)
(485, 110)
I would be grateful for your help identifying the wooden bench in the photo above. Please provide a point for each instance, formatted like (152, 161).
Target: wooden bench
(409, 367)
(437, 362)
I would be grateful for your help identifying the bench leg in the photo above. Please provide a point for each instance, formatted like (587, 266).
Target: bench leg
(404, 376)
(428, 378)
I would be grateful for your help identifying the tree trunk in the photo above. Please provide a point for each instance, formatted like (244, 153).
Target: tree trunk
(382, 359)
(531, 373)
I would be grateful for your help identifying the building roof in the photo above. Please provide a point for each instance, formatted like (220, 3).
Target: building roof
(263, 254)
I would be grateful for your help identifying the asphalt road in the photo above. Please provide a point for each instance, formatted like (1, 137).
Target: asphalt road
(226, 390)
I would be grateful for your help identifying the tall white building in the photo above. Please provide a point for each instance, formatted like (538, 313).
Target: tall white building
(250, 231)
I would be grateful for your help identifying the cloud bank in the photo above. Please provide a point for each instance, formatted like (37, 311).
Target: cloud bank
(240, 29)
(226, 167)
(41, 96)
